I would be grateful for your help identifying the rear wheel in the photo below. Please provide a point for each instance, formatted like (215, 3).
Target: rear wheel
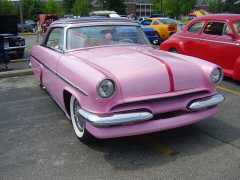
(174, 50)
(78, 121)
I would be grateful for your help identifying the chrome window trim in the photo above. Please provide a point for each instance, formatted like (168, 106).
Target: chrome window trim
(61, 77)
(200, 39)
(65, 29)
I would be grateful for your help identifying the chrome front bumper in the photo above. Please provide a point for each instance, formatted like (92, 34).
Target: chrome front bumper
(115, 119)
(206, 102)
(118, 119)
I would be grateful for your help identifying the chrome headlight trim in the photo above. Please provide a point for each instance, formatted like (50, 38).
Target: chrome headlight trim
(106, 88)
(217, 75)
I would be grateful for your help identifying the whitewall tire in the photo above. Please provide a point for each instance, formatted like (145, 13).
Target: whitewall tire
(78, 121)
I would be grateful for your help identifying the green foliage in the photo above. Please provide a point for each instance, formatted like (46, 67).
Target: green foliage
(67, 5)
(173, 8)
(8, 8)
(116, 5)
(158, 6)
(81, 8)
(231, 6)
(216, 6)
(35, 9)
(224, 6)
(52, 7)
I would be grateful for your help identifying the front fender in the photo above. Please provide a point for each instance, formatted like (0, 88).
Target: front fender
(173, 43)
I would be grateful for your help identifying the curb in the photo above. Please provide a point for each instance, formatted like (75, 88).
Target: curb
(19, 60)
(16, 73)
(27, 34)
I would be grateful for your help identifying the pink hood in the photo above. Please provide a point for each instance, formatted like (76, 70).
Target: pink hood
(143, 71)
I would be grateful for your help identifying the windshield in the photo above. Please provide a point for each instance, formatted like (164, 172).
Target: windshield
(82, 37)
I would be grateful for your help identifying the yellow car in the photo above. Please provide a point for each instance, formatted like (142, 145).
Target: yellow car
(164, 26)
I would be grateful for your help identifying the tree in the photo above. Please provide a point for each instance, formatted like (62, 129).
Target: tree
(67, 5)
(175, 8)
(52, 7)
(25, 8)
(35, 9)
(116, 5)
(231, 6)
(216, 6)
(81, 8)
(157, 6)
(8, 8)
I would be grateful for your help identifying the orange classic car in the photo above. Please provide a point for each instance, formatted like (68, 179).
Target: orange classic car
(164, 26)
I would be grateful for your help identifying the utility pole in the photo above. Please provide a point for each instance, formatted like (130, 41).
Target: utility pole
(21, 14)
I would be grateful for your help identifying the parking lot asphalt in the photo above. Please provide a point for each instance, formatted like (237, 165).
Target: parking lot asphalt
(38, 142)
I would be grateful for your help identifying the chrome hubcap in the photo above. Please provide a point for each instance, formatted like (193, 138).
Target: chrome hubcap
(77, 117)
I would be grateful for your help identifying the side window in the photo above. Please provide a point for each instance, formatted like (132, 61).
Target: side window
(196, 28)
(147, 22)
(226, 29)
(236, 26)
(55, 39)
(214, 28)
(155, 23)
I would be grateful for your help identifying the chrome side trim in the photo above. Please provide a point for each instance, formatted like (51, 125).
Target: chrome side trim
(116, 119)
(200, 39)
(186, 37)
(211, 101)
(61, 77)
(13, 48)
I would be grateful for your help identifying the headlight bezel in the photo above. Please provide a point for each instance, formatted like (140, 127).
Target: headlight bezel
(101, 83)
(221, 75)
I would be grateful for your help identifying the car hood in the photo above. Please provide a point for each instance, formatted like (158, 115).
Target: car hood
(141, 71)
(8, 24)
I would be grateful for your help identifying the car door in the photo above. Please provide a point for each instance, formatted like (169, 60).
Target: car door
(51, 52)
(219, 47)
(190, 39)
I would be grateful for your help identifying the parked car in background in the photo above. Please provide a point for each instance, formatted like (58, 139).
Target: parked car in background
(151, 34)
(46, 20)
(28, 25)
(13, 42)
(156, 15)
(140, 19)
(111, 82)
(215, 38)
(164, 26)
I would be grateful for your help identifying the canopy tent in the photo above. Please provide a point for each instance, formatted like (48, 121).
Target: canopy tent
(200, 12)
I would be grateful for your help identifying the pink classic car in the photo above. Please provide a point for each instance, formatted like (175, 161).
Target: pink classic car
(107, 78)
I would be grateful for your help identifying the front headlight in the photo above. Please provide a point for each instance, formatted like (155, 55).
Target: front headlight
(106, 88)
(217, 75)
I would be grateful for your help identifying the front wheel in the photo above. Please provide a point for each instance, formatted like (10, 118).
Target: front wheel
(78, 121)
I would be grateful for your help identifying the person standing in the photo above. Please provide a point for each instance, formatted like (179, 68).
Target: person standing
(39, 29)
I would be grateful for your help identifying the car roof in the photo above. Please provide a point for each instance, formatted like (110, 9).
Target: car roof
(90, 20)
(221, 17)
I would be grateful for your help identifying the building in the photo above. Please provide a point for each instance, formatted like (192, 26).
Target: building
(139, 8)
(202, 4)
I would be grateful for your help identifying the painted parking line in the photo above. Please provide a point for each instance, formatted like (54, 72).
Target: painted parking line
(229, 90)
(28, 49)
(157, 145)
